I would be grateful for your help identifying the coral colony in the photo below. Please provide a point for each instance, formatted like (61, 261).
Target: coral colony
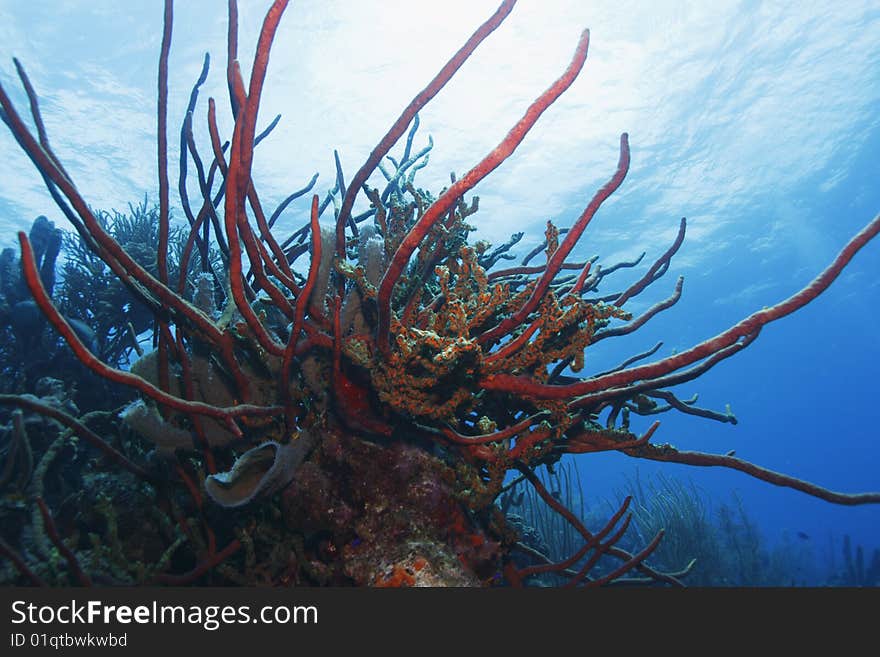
(357, 421)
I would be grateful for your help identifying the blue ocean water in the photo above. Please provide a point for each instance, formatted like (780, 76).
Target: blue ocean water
(756, 121)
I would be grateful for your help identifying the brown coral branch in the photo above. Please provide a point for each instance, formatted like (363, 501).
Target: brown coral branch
(670, 454)
(35, 113)
(162, 143)
(162, 157)
(640, 321)
(289, 199)
(654, 272)
(632, 359)
(689, 408)
(187, 147)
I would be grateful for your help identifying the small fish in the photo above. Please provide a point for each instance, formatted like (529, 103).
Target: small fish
(803, 536)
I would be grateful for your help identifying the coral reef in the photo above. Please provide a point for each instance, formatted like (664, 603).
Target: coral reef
(105, 315)
(389, 387)
(90, 291)
(26, 347)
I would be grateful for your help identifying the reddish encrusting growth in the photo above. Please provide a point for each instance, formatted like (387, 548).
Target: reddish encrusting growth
(467, 367)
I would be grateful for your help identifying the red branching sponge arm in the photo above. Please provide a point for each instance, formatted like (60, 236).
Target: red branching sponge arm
(35, 285)
(527, 387)
(238, 176)
(120, 262)
(399, 127)
(38, 119)
(232, 54)
(258, 76)
(559, 255)
(441, 206)
(233, 218)
(299, 312)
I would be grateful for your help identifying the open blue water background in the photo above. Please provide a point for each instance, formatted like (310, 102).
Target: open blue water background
(759, 122)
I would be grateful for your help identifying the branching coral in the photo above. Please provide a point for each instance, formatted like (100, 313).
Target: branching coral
(398, 335)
